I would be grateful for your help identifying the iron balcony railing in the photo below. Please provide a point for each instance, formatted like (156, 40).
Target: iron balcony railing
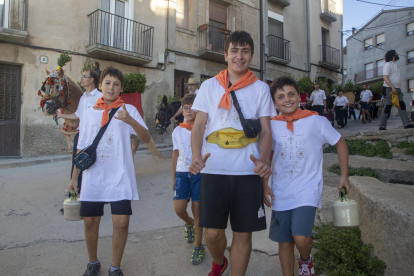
(330, 55)
(368, 74)
(212, 38)
(121, 33)
(278, 47)
(13, 14)
(328, 6)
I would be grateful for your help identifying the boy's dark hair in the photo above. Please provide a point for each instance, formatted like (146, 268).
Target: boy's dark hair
(94, 76)
(113, 72)
(278, 84)
(389, 55)
(188, 99)
(238, 38)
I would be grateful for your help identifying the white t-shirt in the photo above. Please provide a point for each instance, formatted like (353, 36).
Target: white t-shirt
(87, 101)
(317, 97)
(341, 101)
(112, 176)
(391, 70)
(297, 177)
(182, 142)
(255, 102)
(366, 95)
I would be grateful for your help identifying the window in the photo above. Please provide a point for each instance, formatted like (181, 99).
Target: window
(380, 39)
(410, 57)
(411, 85)
(380, 65)
(368, 43)
(181, 14)
(369, 72)
(410, 28)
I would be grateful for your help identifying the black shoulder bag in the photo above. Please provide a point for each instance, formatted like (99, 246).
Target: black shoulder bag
(86, 157)
(251, 127)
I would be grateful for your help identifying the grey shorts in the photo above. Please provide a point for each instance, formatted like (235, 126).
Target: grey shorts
(296, 222)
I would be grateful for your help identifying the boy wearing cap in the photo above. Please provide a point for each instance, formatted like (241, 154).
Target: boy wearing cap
(297, 177)
(230, 178)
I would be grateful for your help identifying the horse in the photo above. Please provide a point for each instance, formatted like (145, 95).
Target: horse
(165, 113)
(59, 91)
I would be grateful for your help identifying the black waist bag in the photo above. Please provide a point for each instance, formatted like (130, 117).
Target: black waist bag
(86, 157)
(251, 127)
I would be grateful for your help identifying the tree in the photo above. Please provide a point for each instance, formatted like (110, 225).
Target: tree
(305, 85)
(349, 86)
(376, 88)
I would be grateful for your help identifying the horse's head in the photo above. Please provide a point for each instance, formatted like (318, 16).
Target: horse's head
(55, 92)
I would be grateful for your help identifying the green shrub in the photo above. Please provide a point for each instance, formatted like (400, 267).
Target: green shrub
(134, 82)
(363, 171)
(341, 252)
(330, 149)
(409, 151)
(364, 148)
(305, 85)
(383, 149)
(404, 144)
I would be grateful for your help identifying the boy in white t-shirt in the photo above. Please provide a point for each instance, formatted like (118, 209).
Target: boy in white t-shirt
(111, 179)
(297, 178)
(184, 184)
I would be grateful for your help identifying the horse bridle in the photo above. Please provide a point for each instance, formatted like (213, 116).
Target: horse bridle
(55, 103)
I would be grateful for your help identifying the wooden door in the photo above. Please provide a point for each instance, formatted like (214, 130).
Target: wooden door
(10, 98)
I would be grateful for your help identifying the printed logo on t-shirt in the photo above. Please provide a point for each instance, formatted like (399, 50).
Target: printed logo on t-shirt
(293, 153)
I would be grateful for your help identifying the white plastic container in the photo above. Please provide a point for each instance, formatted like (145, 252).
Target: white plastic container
(345, 211)
(71, 208)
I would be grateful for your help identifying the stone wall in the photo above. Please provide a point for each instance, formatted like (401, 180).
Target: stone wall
(394, 136)
(386, 221)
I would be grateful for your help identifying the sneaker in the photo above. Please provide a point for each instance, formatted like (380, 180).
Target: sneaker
(198, 255)
(218, 270)
(364, 122)
(409, 126)
(115, 272)
(306, 268)
(382, 128)
(92, 269)
(189, 232)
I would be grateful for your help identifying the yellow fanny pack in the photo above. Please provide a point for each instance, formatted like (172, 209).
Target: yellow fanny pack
(230, 138)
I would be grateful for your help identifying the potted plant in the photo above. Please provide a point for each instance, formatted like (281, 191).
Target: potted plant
(134, 86)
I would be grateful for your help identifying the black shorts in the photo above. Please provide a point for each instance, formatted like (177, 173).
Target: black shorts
(241, 196)
(96, 209)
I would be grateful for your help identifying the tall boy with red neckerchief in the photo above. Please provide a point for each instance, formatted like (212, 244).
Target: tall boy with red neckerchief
(231, 182)
(297, 178)
(112, 177)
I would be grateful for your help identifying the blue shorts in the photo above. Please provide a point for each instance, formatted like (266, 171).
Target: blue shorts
(296, 222)
(365, 105)
(187, 185)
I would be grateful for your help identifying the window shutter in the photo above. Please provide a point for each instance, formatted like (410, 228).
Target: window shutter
(411, 85)
(369, 66)
(380, 63)
(105, 5)
(411, 54)
(380, 38)
(368, 43)
(410, 27)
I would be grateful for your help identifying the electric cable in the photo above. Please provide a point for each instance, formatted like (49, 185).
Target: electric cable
(372, 45)
(384, 4)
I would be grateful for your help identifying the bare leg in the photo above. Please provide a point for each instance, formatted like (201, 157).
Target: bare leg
(216, 243)
(91, 231)
(195, 206)
(119, 238)
(287, 257)
(304, 246)
(241, 247)
(180, 207)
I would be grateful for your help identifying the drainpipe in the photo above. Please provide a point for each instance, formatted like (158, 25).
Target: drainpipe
(262, 52)
(342, 51)
(308, 36)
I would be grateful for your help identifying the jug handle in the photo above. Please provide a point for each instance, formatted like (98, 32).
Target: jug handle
(73, 194)
(343, 194)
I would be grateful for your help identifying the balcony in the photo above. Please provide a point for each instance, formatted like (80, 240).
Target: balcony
(328, 10)
(329, 57)
(211, 42)
(282, 3)
(118, 38)
(368, 75)
(13, 20)
(278, 50)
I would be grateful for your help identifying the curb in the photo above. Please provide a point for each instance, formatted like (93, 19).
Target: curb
(52, 159)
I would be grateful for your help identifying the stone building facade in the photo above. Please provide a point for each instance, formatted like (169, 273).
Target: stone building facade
(364, 55)
(167, 40)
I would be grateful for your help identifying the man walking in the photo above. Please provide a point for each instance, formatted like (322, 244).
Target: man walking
(366, 98)
(392, 80)
(231, 177)
(90, 82)
(318, 100)
(192, 88)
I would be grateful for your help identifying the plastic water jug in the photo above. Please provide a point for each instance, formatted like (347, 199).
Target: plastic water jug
(345, 211)
(71, 208)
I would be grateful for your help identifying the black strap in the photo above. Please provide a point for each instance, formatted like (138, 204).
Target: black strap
(102, 130)
(236, 105)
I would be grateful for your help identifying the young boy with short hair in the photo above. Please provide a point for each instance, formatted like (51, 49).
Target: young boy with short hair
(184, 184)
(111, 179)
(297, 178)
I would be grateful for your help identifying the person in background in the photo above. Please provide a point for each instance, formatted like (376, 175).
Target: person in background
(192, 89)
(318, 100)
(340, 104)
(366, 98)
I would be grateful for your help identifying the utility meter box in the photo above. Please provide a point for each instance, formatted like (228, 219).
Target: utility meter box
(160, 58)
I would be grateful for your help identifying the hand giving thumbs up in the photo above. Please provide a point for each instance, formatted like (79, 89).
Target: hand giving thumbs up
(123, 115)
(262, 169)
